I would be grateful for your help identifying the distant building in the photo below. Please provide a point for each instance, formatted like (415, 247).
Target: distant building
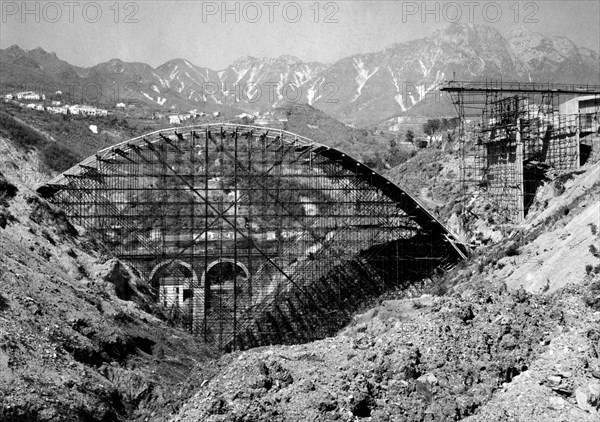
(587, 108)
(120, 105)
(87, 110)
(174, 120)
(57, 110)
(30, 95)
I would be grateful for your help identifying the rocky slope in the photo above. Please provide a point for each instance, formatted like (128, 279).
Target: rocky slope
(361, 90)
(423, 360)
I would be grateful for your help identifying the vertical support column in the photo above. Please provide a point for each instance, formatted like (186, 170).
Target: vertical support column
(193, 283)
(205, 286)
(248, 217)
(235, 232)
(462, 150)
(577, 142)
(520, 183)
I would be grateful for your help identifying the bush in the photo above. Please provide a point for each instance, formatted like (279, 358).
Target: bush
(22, 136)
(7, 190)
(512, 250)
(58, 158)
(592, 298)
(398, 156)
(594, 251)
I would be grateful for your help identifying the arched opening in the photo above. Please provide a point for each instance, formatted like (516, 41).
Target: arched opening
(175, 284)
(225, 282)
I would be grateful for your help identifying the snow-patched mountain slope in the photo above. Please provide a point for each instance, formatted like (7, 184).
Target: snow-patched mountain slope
(362, 89)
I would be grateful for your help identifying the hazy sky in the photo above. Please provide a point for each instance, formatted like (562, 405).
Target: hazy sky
(85, 33)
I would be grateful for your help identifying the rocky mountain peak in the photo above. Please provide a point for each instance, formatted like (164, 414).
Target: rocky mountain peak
(179, 62)
(15, 48)
(283, 60)
(288, 59)
(467, 32)
(39, 50)
(244, 61)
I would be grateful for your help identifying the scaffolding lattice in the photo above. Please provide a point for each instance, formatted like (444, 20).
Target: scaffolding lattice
(251, 236)
(511, 133)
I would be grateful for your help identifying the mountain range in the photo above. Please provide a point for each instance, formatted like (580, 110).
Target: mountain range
(362, 90)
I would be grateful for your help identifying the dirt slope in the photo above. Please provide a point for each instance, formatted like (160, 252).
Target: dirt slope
(557, 256)
(432, 359)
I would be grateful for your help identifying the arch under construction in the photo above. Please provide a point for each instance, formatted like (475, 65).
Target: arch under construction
(249, 235)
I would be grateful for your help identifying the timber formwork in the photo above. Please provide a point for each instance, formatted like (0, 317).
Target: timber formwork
(512, 133)
(250, 236)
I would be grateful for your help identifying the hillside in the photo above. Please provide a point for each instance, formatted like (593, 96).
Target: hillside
(71, 138)
(76, 141)
(370, 147)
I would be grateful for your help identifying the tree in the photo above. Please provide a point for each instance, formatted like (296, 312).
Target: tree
(410, 136)
(393, 153)
(432, 126)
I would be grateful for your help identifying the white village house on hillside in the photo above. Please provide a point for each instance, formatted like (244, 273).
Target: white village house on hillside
(29, 95)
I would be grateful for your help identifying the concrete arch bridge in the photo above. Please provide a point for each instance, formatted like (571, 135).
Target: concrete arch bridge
(252, 235)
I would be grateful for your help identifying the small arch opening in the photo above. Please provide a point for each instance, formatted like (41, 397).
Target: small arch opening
(225, 282)
(173, 283)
